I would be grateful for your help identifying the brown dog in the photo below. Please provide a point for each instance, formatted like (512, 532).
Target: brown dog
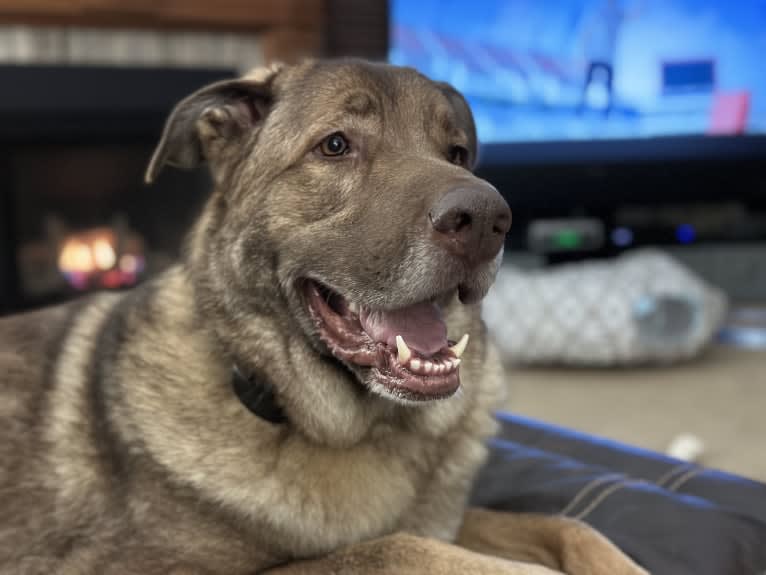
(287, 398)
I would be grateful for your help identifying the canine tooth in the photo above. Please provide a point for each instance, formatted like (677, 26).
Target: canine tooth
(415, 365)
(404, 352)
(460, 346)
(353, 307)
(456, 363)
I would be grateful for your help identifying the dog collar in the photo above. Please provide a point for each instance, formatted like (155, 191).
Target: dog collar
(258, 396)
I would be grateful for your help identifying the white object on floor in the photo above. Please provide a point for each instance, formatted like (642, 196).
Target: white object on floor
(643, 307)
(686, 447)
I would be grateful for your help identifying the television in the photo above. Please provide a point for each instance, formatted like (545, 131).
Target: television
(621, 79)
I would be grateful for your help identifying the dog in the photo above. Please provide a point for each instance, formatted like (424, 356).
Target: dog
(309, 390)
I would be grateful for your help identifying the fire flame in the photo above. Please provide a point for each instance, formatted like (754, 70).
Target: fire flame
(87, 252)
(91, 257)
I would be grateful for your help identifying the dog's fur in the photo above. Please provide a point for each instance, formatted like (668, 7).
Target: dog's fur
(124, 449)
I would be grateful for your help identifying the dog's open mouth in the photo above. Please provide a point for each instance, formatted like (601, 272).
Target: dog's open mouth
(407, 349)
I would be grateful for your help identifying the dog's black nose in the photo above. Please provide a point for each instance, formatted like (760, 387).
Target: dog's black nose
(471, 222)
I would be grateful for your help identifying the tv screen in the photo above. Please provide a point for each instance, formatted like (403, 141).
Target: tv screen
(540, 71)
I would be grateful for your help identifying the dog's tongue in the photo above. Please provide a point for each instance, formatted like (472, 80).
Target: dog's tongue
(421, 325)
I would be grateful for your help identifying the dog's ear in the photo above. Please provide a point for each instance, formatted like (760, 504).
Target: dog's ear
(202, 124)
(464, 116)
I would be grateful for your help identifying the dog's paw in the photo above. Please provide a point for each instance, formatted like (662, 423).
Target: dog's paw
(403, 553)
(586, 552)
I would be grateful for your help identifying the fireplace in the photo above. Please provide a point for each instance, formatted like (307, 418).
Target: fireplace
(75, 216)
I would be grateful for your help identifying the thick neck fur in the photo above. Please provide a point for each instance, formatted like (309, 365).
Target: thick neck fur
(338, 433)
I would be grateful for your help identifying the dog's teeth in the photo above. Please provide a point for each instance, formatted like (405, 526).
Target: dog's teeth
(353, 307)
(404, 352)
(456, 363)
(460, 346)
(428, 367)
(415, 365)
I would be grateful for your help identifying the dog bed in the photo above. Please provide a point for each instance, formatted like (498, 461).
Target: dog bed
(673, 517)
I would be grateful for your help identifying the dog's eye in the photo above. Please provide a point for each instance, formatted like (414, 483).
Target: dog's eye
(458, 155)
(334, 145)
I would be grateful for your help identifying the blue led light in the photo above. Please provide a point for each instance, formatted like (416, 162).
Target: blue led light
(685, 233)
(622, 237)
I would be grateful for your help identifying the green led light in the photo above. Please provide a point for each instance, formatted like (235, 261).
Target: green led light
(567, 239)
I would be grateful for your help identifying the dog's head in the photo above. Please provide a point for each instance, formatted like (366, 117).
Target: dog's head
(346, 208)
